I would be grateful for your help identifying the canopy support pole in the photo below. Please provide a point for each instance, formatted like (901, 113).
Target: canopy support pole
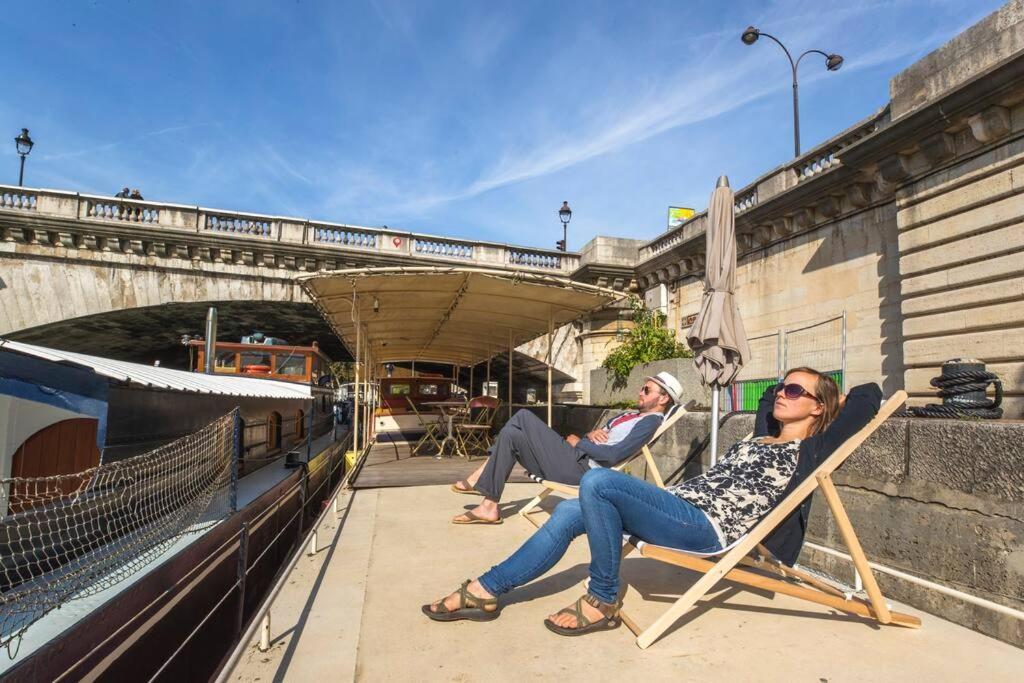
(355, 408)
(471, 368)
(510, 373)
(551, 340)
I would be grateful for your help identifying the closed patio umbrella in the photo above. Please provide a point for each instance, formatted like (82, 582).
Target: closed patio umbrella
(717, 337)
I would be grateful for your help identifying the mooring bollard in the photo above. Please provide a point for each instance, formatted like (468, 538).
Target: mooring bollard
(265, 633)
(312, 543)
(336, 510)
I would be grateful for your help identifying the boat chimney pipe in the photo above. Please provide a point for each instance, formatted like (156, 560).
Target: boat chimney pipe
(211, 340)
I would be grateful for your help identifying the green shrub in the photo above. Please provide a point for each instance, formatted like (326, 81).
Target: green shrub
(648, 341)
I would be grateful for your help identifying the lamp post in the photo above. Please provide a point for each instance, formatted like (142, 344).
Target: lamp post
(832, 63)
(564, 215)
(23, 143)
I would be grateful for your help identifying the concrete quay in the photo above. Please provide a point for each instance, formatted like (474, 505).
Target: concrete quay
(352, 612)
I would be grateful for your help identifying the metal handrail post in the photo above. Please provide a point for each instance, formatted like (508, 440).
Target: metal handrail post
(236, 454)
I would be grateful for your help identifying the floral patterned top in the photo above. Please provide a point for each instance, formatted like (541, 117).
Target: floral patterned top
(742, 487)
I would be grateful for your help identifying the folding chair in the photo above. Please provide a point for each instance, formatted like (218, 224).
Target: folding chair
(431, 429)
(530, 510)
(813, 589)
(475, 432)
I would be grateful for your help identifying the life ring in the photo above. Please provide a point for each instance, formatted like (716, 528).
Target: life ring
(256, 370)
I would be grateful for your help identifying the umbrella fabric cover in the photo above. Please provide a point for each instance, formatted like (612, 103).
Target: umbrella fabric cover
(717, 337)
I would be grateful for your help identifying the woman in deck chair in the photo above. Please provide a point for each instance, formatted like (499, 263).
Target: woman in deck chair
(799, 423)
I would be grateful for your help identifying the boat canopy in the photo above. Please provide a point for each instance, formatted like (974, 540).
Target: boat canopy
(452, 315)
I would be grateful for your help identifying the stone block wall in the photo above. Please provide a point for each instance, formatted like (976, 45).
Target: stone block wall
(961, 240)
(849, 265)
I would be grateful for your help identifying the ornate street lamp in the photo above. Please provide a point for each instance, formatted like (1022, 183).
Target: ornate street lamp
(24, 144)
(564, 215)
(832, 63)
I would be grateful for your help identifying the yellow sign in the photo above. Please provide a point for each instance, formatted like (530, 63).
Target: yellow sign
(677, 215)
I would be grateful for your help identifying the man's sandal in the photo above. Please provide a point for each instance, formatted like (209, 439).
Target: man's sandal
(470, 607)
(470, 518)
(457, 488)
(608, 621)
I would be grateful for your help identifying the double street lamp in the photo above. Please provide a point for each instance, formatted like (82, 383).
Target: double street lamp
(23, 143)
(832, 63)
(564, 215)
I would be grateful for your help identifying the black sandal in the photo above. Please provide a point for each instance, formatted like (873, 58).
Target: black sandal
(608, 621)
(470, 607)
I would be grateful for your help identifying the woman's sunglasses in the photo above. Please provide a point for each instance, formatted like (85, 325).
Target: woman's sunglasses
(794, 391)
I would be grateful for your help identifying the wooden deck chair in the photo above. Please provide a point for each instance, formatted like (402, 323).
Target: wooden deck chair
(431, 429)
(475, 432)
(530, 511)
(813, 589)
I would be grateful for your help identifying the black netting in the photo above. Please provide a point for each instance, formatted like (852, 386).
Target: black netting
(67, 536)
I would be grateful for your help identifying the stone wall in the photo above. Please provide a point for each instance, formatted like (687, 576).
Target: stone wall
(850, 265)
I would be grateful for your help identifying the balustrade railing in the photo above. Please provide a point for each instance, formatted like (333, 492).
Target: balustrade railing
(345, 236)
(745, 200)
(126, 210)
(442, 248)
(176, 229)
(17, 199)
(534, 259)
(827, 155)
(239, 225)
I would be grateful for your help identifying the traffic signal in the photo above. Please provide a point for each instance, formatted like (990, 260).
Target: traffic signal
(560, 245)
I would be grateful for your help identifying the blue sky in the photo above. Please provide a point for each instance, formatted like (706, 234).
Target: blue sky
(470, 119)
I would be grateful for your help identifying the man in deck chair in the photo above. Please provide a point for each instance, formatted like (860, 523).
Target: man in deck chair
(538, 448)
(799, 423)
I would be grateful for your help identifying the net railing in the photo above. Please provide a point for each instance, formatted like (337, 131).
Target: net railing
(69, 536)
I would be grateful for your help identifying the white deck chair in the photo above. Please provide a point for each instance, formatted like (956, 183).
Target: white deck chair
(813, 590)
(530, 511)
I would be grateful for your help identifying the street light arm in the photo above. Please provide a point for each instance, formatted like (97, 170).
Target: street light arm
(778, 42)
(809, 52)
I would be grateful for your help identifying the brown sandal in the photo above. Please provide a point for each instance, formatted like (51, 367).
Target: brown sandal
(608, 621)
(456, 488)
(470, 518)
(470, 607)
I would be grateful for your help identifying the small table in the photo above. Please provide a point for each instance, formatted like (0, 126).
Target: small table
(449, 409)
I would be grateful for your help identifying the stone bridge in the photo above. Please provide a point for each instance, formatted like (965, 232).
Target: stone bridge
(128, 278)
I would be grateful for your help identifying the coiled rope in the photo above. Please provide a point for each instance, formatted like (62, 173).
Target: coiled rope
(962, 387)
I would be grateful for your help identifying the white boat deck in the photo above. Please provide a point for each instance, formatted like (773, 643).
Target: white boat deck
(352, 612)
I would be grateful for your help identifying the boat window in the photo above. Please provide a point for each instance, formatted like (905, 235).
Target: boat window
(274, 432)
(292, 364)
(252, 359)
(428, 389)
(225, 360)
(400, 389)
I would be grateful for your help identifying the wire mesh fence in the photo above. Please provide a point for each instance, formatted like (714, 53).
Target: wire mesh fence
(820, 345)
(68, 536)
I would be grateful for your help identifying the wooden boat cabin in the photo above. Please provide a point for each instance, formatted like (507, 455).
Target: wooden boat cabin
(394, 412)
(278, 360)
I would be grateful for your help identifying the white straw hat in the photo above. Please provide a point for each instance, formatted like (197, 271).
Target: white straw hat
(670, 384)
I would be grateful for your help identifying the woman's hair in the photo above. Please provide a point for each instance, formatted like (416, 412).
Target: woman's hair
(827, 392)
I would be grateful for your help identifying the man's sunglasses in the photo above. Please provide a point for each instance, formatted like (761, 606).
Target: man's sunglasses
(646, 390)
(794, 391)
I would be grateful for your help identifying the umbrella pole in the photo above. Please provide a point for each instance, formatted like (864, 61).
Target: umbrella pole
(551, 334)
(714, 423)
(510, 373)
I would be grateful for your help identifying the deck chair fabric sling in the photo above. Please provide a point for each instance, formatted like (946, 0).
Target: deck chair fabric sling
(530, 511)
(723, 565)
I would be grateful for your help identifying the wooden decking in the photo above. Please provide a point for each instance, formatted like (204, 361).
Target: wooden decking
(390, 464)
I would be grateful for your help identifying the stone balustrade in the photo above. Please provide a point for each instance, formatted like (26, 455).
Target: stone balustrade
(58, 218)
(814, 164)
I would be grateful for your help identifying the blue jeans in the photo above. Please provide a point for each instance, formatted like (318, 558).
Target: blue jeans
(610, 504)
